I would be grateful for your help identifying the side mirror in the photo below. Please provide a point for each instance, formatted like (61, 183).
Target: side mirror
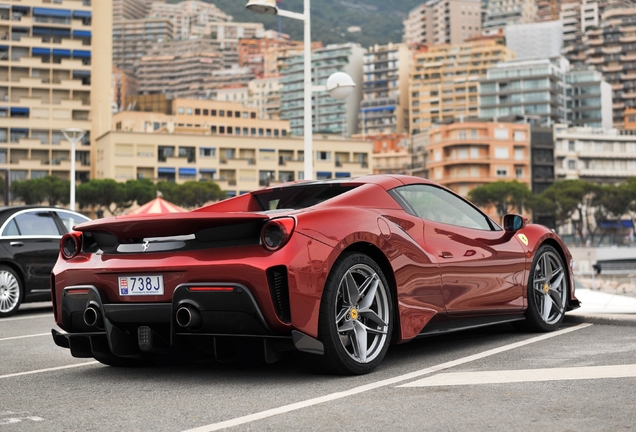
(514, 222)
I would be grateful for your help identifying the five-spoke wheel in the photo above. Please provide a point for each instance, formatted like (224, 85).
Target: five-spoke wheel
(10, 291)
(547, 290)
(356, 317)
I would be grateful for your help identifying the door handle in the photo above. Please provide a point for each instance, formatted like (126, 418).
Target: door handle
(446, 254)
(16, 243)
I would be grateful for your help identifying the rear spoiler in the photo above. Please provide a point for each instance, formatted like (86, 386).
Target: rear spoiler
(166, 224)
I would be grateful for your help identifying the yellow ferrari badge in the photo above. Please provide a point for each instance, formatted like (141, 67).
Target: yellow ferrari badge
(523, 239)
(354, 314)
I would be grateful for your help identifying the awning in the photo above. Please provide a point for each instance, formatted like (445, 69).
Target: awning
(166, 170)
(24, 9)
(81, 14)
(157, 205)
(40, 51)
(81, 73)
(324, 173)
(62, 52)
(82, 33)
(230, 194)
(51, 12)
(343, 174)
(383, 108)
(267, 150)
(207, 170)
(19, 130)
(187, 171)
(19, 110)
(617, 224)
(81, 54)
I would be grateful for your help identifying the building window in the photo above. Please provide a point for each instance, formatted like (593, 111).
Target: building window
(180, 110)
(252, 131)
(519, 172)
(213, 129)
(501, 134)
(221, 113)
(213, 113)
(197, 111)
(518, 136)
(323, 155)
(229, 113)
(206, 112)
(571, 146)
(208, 152)
(188, 111)
(501, 153)
(571, 164)
(222, 129)
(502, 172)
(253, 115)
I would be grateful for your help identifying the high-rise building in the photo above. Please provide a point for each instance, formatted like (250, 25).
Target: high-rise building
(330, 116)
(535, 40)
(55, 71)
(178, 68)
(439, 22)
(275, 57)
(264, 95)
(189, 18)
(130, 9)
(610, 48)
(384, 107)
(251, 51)
(598, 155)
(547, 91)
(500, 13)
(444, 81)
(132, 38)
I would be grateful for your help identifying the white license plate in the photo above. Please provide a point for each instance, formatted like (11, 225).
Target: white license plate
(141, 285)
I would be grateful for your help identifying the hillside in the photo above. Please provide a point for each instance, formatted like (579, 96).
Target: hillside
(380, 21)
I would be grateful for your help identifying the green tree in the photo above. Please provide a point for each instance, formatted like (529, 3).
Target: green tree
(196, 194)
(27, 191)
(504, 196)
(105, 194)
(56, 190)
(141, 191)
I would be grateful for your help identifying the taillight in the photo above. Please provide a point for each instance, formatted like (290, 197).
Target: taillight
(277, 232)
(71, 244)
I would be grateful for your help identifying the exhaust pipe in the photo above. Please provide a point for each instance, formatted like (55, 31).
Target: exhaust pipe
(93, 317)
(189, 317)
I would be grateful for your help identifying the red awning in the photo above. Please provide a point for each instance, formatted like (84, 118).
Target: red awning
(157, 205)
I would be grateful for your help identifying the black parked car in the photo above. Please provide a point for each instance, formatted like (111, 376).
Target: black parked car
(30, 244)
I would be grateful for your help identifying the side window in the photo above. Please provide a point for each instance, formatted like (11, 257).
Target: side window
(71, 219)
(11, 229)
(36, 224)
(438, 205)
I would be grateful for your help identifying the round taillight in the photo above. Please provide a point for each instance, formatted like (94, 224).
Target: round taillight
(276, 233)
(70, 245)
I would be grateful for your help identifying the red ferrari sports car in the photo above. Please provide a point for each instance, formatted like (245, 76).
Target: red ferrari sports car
(339, 268)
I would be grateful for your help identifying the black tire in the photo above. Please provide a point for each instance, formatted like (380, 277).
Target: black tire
(355, 332)
(547, 292)
(11, 291)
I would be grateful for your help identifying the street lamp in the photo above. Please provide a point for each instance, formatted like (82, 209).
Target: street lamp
(73, 135)
(339, 85)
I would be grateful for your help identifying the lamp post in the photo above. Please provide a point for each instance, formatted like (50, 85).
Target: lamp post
(339, 87)
(73, 135)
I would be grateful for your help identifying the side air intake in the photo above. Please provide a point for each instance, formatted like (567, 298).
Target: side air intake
(277, 279)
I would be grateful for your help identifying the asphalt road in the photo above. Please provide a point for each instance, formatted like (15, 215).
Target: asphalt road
(581, 378)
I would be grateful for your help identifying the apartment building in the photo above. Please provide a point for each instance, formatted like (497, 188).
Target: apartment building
(547, 90)
(132, 38)
(124, 84)
(444, 81)
(391, 153)
(535, 40)
(500, 13)
(54, 61)
(178, 68)
(440, 22)
(130, 9)
(251, 52)
(597, 155)
(384, 107)
(331, 116)
(237, 163)
(465, 155)
(275, 57)
(611, 49)
(630, 118)
(229, 34)
(190, 19)
(264, 95)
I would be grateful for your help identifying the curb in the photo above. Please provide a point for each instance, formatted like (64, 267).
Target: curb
(606, 319)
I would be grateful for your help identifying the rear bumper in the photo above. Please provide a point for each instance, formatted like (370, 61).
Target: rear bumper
(227, 311)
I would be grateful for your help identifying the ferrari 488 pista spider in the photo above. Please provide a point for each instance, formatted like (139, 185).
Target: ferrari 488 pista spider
(340, 269)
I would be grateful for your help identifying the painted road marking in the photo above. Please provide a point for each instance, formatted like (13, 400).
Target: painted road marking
(48, 369)
(378, 384)
(3, 320)
(526, 375)
(25, 336)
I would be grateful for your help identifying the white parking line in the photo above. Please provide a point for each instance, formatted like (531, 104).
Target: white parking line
(48, 369)
(50, 315)
(526, 375)
(378, 384)
(25, 336)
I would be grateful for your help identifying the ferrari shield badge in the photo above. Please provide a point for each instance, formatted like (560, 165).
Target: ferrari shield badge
(523, 239)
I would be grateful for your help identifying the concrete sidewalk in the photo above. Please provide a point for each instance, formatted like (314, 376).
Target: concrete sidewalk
(603, 308)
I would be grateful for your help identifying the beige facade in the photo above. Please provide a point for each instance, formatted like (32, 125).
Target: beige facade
(463, 156)
(237, 163)
(54, 61)
(597, 155)
(200, 116)
(439, 22)
(445, 81)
